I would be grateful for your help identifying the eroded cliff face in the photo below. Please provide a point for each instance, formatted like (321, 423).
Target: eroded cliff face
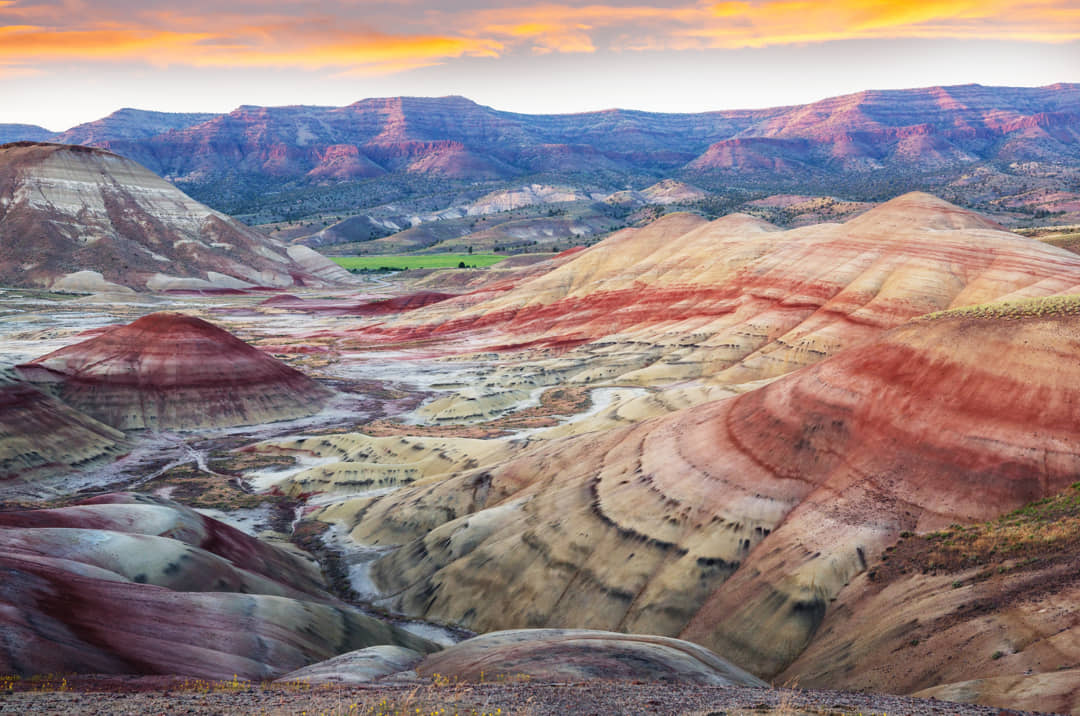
(895, 130)
(67, 209)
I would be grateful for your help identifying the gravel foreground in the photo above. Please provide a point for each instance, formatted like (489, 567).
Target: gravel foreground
(119, 696)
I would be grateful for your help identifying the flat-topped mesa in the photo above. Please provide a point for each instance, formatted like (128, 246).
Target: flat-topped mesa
(68, 212)
(175, 371)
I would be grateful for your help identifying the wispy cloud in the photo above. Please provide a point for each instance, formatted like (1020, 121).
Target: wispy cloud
(11, 73)
(546, 37)
(23, 42)
(741, 23)
(760, 23)
(367, 37)
(573, 28)
(174, 39)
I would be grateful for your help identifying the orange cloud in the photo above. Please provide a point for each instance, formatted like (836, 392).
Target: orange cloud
(547, 36)
(312, 45)
(20, 42)
(568, 28)
(759, 23)
(375, 53)
(256, 34)
(740, 23)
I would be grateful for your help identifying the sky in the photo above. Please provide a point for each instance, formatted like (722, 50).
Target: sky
(63, 62)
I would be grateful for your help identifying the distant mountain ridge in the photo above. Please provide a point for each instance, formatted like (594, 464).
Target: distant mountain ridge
(936, 134)
(23, 133)
(127, 124)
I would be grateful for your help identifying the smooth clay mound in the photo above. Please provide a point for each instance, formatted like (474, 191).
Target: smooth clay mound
(174, 371)
(126, 584)
(569, 655)
(734, 524)
(40, 436)
(539, 656)
(737, 299)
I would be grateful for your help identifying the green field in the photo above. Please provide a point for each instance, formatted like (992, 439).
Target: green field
(415, 261)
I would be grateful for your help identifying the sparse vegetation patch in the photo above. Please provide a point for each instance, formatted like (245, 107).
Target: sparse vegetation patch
(1038, 535)
(1047, 307)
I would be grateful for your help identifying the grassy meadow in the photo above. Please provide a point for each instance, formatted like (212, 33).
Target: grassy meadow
(416, 261)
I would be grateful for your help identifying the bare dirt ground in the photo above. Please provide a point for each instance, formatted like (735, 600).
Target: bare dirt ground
(164, 695)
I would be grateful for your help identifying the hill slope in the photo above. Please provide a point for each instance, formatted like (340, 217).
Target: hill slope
(736, 522)
(69, 209)
(738, 299)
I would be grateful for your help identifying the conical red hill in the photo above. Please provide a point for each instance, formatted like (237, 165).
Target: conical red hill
(174, 371)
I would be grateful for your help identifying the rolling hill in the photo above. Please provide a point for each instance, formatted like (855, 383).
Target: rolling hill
(809, 398)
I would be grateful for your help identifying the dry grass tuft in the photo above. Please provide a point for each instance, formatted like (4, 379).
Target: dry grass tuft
(1037, 535)
(1047, 307)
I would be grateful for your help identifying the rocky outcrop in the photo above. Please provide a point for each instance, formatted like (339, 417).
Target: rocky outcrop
(66, 210)
(530, 195)
(88, 282)
(668, 191)
(174, 371)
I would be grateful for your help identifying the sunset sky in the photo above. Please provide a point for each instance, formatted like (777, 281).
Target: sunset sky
(68, 61)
